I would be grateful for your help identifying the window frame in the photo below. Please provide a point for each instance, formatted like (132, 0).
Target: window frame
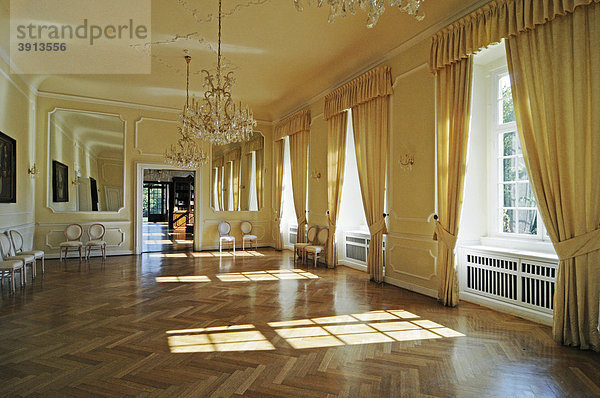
(496, 131)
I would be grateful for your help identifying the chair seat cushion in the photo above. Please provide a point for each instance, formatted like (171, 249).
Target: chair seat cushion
(227, 238)
(71, 243)
(314, 249)
(300, 245)
(96, 242)
(35, 253)
(8, 265)
(22, 257)
(250, 237)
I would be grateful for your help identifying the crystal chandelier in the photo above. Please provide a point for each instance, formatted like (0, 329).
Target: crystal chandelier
(186, 153)
(216, 118)
(374, 8)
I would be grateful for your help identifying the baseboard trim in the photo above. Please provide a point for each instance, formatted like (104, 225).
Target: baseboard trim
(357, 267)
(411, 286)
(508, 308)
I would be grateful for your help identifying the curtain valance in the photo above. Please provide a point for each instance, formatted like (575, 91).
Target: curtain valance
(299, 121)
(497, 20)
(375, 83)
(234, 154)
(255, 144)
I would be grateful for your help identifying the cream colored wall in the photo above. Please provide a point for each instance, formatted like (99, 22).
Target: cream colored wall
(16, 121)
(148, 132)
(411, 251)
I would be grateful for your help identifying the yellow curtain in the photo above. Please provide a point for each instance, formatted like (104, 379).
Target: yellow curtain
(555, 72)
(227, 186)
(336, 156)
(299, 166)
(299, 121)
(497, 20)
(260, 155)
(235, 183)
(245, 183)
(278, 151)
(370, 124)
(453, 117)
(220, 187)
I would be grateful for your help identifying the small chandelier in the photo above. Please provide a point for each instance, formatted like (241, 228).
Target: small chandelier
(186, 153)
(216, 118)
(374, 8)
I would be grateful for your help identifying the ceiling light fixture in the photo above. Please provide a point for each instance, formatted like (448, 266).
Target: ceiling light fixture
(216, 118)
(186, 153)
(374, 8)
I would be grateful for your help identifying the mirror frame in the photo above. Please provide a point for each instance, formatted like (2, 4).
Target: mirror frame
(211, 204)
(49, 162)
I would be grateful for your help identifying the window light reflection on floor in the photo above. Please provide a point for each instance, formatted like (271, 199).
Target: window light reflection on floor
(386, 326)
(253, 276)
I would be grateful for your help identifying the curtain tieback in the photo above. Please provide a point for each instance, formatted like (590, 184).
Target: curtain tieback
(377, 227)
(578, 245)
(442, 235)
(302, 220)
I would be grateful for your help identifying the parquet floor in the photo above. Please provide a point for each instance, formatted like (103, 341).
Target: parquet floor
(196, 325)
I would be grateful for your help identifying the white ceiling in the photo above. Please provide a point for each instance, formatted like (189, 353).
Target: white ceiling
(281, 58)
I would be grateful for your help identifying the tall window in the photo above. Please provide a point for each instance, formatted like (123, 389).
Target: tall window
(517, 208)
(253, 200)
(287, 197)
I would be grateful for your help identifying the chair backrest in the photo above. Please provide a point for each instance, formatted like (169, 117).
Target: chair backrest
(323, 236)
(96, 231)
(73, 232)
(312, 233)
(224, 228)
(17, 240)
(246, 227)
(4, 246)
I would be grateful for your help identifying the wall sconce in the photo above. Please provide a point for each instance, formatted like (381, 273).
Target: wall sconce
(407, 161)
(77, 178)
(315, 174)
(33, 171)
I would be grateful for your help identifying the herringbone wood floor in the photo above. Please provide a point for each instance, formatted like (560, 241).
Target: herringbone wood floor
(122, 329)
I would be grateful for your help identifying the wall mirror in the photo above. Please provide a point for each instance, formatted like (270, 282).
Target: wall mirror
(237, 180)
(85, 161)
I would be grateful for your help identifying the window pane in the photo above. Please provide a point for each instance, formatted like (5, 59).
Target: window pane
(525, 194)
(509, 169)
(522, 170)
(508, 221)
(509, 195)
(528, 222)
(510, 143)
(506, 109)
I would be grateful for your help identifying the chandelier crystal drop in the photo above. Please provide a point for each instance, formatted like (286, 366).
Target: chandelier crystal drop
(216, 118)
(374, 8)
(186, 153)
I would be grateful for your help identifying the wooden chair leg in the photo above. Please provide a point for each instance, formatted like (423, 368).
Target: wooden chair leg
(43, 265)
(80, 256)
(12, 282)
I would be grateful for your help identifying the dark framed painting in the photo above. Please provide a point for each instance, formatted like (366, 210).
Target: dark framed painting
(60, 182)
(8, 169)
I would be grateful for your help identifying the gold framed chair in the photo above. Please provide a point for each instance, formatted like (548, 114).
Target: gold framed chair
(96, 234)
(299, 247)
(17, 242)
(73, 234)
(319, 248)
(224, 229)
(246, 228)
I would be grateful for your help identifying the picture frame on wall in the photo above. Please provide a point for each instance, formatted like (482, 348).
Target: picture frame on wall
(8, 169)
(60, 182)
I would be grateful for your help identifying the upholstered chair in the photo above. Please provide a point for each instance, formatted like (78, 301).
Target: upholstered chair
(299, 247)
(73, 234)
(319, 248)
(8, 268)
(8, 254)
(246, 228)
(224, 229)
(17, 242)
(96, 234)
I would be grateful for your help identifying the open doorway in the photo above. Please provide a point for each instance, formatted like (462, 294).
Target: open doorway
(167, 210)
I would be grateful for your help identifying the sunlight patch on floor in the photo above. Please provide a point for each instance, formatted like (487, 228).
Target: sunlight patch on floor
(168, 255)
(248, 340)
(266, 275)
(184, 278)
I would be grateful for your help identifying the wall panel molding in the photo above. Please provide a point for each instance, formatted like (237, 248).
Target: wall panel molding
(136, 133)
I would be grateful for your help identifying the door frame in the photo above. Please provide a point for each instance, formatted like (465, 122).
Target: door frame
(139, 193)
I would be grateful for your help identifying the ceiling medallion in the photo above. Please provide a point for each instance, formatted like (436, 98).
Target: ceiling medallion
(374, 8)
(216, 118)
(186, 153)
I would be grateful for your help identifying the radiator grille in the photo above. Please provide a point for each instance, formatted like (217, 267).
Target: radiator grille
(357, 247)
(518, 281)
(293, 235)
